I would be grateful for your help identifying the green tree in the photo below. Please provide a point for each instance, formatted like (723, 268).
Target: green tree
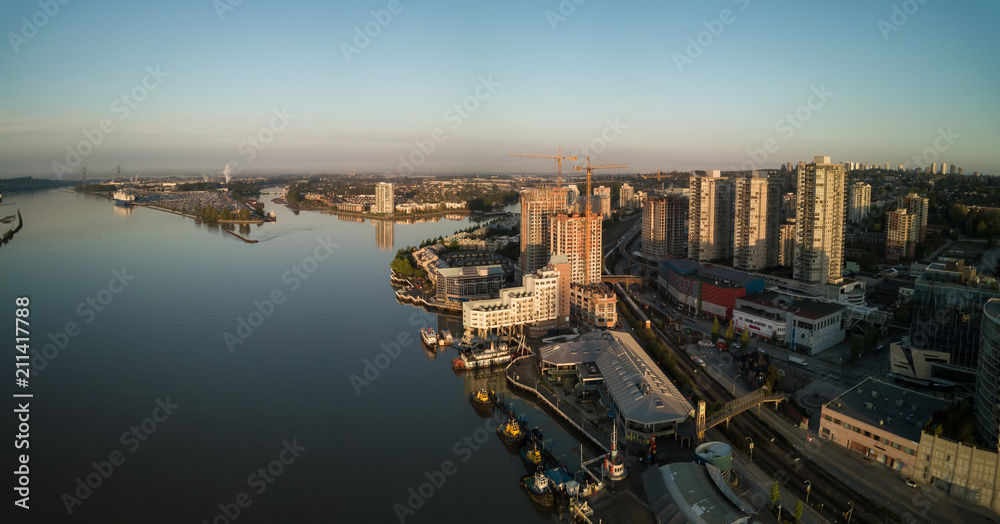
(715, 330)
(745, 337)
(775, 492)
(798, 511)
(730, 334)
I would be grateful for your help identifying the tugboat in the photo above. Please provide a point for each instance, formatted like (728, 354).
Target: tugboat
(532, 456)
(444, 337)
(539, 488)
(428, 336)
(512, 433)
(483, 400)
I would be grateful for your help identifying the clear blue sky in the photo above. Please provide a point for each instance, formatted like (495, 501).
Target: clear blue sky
(557, 87)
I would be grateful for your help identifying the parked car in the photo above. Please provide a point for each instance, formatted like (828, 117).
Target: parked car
(909, 482)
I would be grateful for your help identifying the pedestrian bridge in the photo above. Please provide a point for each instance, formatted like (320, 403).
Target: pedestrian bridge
(626, 279)
(735, 407)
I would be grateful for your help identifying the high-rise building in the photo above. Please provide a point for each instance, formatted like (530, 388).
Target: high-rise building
(385, 202)
(988, 375)
(786, 243)
(860, 202)
(537, 207)
(934, 168)
(626, 197)
(710, 218)
(602, 201)
(788, 205)
(755, 226)
(664, 227)
(573, 236)
(900, 239)
(819, 222)
(920, 208)
(944, 168)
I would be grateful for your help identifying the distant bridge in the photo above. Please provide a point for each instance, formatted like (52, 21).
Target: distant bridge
(735, 407)
(626, 279)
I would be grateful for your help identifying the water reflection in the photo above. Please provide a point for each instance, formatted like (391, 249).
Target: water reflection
(384, 234)
(123, 210)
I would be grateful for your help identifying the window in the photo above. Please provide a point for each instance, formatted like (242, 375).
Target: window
(846, 425)
(827, 417)
(868, 434)
(857, 430)
(836, 421)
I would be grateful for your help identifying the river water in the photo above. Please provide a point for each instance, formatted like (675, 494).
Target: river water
(139, 391)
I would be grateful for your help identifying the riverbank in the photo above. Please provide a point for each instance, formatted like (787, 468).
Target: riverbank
(394, 218)
(9, 234)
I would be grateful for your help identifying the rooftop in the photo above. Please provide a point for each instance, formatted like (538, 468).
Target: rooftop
(810, 309)
(471, 271)
(690, 492)
(902, 411)
(640, 389)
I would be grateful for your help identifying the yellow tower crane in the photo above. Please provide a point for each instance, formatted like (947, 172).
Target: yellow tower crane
(558, 158)
(586, 254)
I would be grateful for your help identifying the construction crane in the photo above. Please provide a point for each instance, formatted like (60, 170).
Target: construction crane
(658, 176)
(586, 236)
(558, 158)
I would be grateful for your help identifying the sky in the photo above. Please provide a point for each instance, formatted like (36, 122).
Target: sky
(402, 86)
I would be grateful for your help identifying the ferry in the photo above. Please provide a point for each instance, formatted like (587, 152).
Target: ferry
(124, 197)
(496, 355)
(428, 336)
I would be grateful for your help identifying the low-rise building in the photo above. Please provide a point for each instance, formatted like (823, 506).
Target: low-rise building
(594, 304)
(807, 326)
(966, 472)
(462, 284)
(881, 421)
(543, 297)
(709, 289)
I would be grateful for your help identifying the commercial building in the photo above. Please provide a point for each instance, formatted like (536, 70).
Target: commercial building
(900, 240)
(807, 326)
(860, 202)
(988, 377)
(626, 197)
(695, 492)
(664, 227)
(755, 226)
(965, 472)
(706, 289)
(464, 284)
(646, 402)
(919, 207)
(594, 304)
(947, 313)
(819, 224)
(544, 297)
(537, 207)
(881, 421)
(385, 201)
(710, 218)
(579, 238)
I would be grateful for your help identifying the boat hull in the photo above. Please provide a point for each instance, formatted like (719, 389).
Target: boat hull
(545, 497)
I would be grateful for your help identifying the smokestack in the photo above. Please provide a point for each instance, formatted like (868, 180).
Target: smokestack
(226, 172)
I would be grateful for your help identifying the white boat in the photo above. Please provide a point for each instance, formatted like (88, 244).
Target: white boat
(495, 355)
(444, 337)
(124, 197)
(428, 336)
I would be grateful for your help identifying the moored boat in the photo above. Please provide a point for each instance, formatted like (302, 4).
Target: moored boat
(532, 456)
(428, 336)
(444, 337)
(539, 488)
(495, 355)
(124, 197)
(483, 400)
(512, 433)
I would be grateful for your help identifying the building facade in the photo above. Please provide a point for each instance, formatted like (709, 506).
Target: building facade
(626, 197)
(463, 284)
(755, 226)
(819, 224)
(900, 242)
(538, 300)
(579, 238)
(965, 472)
(602, 201)
(594, 304)
(385, 201)
(919, 207)
(706, 290)
(710, 218)
(808, 326)
(786, 243)
(664, 227)
(537, 207)
(988, 377)
(860, 202)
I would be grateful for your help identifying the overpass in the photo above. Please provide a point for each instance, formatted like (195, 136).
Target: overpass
(734, 407)
(625, 279)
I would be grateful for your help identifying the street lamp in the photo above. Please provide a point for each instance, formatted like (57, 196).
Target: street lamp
(809, 486)
(751, 447)
(850, 512)
(734, 384)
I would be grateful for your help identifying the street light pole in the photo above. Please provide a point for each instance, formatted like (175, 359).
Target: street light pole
(850, 512)
(751, 447)
(734, 384)
(808, 489)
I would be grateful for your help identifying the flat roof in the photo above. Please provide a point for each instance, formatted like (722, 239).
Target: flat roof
(640, 389)
(471, 271)
(574, 352)
(687, 492)
(888, 403)
(810, 309)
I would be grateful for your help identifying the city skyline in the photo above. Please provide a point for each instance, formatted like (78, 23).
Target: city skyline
(454, 89)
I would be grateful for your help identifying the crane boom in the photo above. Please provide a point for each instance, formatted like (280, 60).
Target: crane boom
(586, 236)
(558, 158)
